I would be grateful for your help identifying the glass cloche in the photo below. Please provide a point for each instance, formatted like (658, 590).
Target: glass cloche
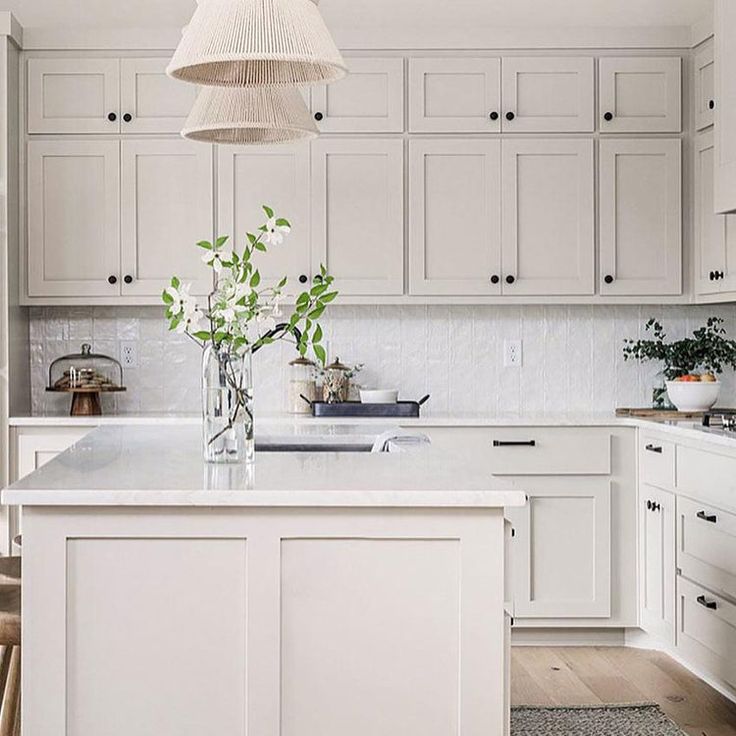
(85, 375)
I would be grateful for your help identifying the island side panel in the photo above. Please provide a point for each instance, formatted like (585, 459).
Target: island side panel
(276, 622)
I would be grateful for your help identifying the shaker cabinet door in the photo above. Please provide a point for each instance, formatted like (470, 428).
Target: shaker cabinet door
(150, 101)
(455, 217)
(73, 218)
(369, 100)
(250, 177)
(167, 207)
(725, 107)
(705, 101)
(543, 94)
(640, 94)
(640, 217)
(548, 217)
(458, 95)
(73, 95)
(358, 214)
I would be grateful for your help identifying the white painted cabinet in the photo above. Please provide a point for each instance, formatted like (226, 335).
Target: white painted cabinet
(454, 217)
(278, 177)
(357, 198)
(73, 218)
(166, 207)
(543, 94)
(704, 88)
(657, 562)
(725, 109)
(640, 216)
(640, 94)
(150, 101)
(369, 100)
(73, 95)
(548, 217)
(455, 95)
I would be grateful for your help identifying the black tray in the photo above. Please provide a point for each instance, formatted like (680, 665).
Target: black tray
(404, 409)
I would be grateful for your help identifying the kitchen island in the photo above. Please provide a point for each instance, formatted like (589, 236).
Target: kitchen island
(313, 594)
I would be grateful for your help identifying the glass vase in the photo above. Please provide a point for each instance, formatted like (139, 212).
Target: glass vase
(227, 406)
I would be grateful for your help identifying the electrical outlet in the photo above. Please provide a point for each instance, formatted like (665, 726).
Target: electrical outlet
(512, 354)
(129, 354)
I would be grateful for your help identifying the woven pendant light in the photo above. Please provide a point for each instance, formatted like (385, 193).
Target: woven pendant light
(256, 43)
(249, 116)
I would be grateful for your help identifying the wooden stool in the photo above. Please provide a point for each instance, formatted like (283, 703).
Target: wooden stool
(10, 581)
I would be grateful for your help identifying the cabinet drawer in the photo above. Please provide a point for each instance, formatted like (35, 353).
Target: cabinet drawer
(530, 450)
(707, 476)
(707, 630)
(706, 545)
(656, 462)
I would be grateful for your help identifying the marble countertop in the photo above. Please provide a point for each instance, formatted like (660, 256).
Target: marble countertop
(131, 465)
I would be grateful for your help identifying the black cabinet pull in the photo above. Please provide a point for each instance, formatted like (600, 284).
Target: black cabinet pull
(128, 279)
(504, 443)
(510, 279)
(711, 104)
(608, 117)
(510, 116)
(112, 117)
(127, 117)
(653, 448)
(608, 279)
(112, 280)
(493, 115)
(711, 518)
(495, 279)
(711, 605)
(318, 116)
(303, 279)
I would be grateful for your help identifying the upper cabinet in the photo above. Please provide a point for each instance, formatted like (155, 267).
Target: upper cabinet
(704, 88)
(357, 198)
(544, 94)
(250, 177)
(725, 107)
(105, 96)
(640, 94)
(369, 100)
(640, 216)
(455, 95)
(73, 95)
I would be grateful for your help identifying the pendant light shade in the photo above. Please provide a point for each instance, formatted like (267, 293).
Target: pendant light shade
(249, 116)
(250, 43)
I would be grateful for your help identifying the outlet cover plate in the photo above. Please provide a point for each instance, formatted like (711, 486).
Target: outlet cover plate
(513, 354)
(129, 354)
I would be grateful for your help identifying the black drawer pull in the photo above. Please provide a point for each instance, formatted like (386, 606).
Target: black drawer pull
(653, 448)
(711, 605)
(712, 518)
(503, 443)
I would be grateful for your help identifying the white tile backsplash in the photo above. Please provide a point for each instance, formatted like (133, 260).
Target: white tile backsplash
(572, 355)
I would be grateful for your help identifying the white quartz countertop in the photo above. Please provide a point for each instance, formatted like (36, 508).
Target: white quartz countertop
(129, 465)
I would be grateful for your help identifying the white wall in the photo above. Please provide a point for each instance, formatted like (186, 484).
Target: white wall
(572, 355)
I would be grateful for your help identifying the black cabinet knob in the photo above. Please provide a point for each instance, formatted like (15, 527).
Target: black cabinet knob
(128, 279)
(495, 279)
(112, 280)
(608, 279)
(720, 275)
(112, 117)
(608, 117)
(510, 279)
(649, 505)
(127, 117)
(318, 116)
(712, 276)
(711, 104)
(656, 507)
(303, 279)
(493, 116)
(510, 116)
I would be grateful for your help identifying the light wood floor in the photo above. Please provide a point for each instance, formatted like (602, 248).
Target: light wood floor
(550, 676)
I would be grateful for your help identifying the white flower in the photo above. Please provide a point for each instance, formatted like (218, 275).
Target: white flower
(216, 259)
(191, 322)
(275, 234)
(183, 303)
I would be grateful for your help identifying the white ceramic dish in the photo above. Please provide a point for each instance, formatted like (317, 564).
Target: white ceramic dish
(379, 396)
(693, 396)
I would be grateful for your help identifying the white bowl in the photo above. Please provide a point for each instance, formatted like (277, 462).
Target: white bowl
(379, 396)
(693, 395)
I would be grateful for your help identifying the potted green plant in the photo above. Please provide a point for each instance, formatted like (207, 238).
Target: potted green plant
(690, 366)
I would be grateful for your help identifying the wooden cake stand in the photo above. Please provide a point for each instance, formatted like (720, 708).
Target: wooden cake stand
(86, 401)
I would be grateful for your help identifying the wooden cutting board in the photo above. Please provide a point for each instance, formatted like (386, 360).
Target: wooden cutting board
(665, 415)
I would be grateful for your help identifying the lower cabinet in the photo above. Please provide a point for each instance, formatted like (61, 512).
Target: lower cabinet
(657, 562)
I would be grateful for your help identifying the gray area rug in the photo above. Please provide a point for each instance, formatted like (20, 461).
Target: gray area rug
(607, 720)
